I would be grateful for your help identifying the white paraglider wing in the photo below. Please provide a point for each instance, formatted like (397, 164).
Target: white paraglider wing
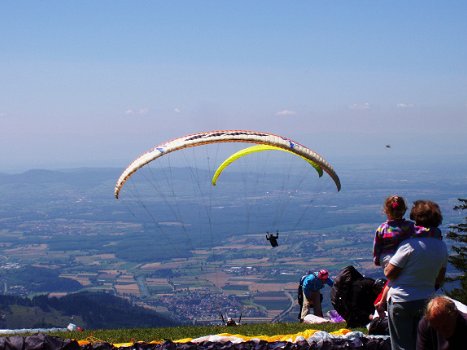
(216, 136)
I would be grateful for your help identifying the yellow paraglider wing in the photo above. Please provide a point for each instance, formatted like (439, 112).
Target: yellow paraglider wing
(254, 149)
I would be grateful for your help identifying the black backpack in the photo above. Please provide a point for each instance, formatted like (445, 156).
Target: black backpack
(379, 326)
(341, 290)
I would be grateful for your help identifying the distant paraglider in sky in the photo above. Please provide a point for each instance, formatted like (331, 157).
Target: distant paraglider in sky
(272, 238)
(220, 136)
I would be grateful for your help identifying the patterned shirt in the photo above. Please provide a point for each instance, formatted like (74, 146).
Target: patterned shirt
(388, 236)
(433, 232)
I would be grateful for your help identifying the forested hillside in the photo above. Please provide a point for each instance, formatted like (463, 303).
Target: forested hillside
(87, 310)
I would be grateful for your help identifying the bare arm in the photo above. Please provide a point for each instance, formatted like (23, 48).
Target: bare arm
(381, 305)
(392, 272)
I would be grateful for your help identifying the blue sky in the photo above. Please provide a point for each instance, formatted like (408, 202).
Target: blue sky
(86, 83)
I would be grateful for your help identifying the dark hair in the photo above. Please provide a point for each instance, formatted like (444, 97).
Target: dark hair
(380, 282)
(426, 213)
(395, 207)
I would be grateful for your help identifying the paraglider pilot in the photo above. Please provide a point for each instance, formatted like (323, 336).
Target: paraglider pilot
(312, 285)
(230, 322)
(272, 238)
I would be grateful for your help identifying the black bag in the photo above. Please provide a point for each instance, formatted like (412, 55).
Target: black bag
(360, 303)
(379, 326)
(341, 290)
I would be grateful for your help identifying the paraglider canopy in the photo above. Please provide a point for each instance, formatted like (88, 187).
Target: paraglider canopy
(203, 138)
(254, 149)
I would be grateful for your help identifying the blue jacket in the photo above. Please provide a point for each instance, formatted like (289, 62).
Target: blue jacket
(312, 283)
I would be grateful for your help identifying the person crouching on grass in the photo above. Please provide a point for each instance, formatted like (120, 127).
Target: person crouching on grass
(312, 286)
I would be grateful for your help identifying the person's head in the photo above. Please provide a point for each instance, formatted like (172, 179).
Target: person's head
(441, 313)
(395, 207)
(426, 213)
(323, 275)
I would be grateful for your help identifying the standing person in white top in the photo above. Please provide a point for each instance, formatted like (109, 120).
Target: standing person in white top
(418, 265)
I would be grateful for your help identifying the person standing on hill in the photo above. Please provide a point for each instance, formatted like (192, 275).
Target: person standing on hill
(418, 265)
(387, 238)
(312, 285)
(427, 216)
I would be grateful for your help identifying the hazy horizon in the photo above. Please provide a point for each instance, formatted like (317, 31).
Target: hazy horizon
(444, 163)
(96, 83)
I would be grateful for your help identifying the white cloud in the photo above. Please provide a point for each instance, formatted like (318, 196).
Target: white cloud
(360, 106)
(405, 105)
(2, 114)
(286, 112)
(139, 111)
(177, 110)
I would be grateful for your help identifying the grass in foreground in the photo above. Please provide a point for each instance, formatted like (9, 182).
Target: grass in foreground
(175, 333)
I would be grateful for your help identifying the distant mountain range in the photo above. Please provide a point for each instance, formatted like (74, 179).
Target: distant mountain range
(87, 310)
(82, 176)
